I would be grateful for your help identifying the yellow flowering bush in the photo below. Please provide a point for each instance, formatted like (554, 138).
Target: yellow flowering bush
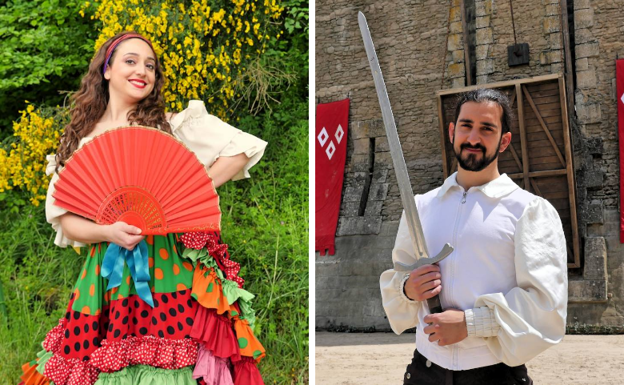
(207, 49)
(204, 46)
(22, 164)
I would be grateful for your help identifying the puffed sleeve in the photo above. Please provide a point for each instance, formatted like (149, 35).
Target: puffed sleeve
(532, 316)
(209, 137)
(401, 311)
(53, 212)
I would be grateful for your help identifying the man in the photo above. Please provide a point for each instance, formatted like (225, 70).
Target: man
(504, 287)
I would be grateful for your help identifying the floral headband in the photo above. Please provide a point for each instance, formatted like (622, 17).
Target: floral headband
(114, 44)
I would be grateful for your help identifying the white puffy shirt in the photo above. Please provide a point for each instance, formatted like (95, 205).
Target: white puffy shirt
(508, 272)
(204, 134)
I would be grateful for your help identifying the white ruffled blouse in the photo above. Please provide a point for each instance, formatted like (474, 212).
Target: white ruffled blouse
(206, 135)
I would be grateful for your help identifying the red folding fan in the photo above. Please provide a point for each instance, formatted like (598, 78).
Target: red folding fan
(141, 176)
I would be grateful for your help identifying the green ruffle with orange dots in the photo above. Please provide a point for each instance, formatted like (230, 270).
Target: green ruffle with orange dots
(169, 272)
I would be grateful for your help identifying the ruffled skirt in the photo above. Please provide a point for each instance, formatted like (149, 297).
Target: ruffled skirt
(199, 329)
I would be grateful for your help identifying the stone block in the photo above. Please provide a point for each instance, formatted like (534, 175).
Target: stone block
(485, 67)
(455, 42)
(581, 4)
(373, 208)
(359, 226)
(361, 146)
(552, 10)
(587, 291)
(556, 68)
(590, 178)
(458, 56)
(381, 144)
(455, 70)
(383, 161)
(484, 36)
(555, 41)
(555, 56)
(595, 259)
(456, 27)
(483, 8)
(584, 18)
(380, 176)
(589, 113)
(455, 14)
(368, 129)
(353, 193)
(349, 209)
(482, 79)
(458, 83)
(359, 163)
(587, 50)
(378, 192)
(582, 64)
(551, 24)
(591, 213)
(482, 52)
(583, 35)
(482, 22)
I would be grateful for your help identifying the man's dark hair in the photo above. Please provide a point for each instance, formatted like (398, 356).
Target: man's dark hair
(481, 95)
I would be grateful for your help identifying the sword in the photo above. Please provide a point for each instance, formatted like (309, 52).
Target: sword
(407, 195)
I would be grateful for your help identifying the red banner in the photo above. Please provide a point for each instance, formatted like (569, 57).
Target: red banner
(332, 120)
(619, 70)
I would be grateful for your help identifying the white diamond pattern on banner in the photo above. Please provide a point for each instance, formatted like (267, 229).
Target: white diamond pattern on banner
(622, 99)
(330, 150)
(323, 136)
(339, 133)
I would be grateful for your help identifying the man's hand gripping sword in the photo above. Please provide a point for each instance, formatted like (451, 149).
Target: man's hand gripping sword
(407, 195)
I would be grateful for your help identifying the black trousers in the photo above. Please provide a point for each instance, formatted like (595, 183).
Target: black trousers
(421, 372)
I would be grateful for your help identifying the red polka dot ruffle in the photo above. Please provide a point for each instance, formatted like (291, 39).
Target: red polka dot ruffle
(54, 338)
(71, 371)
(217, 250)
(149, 350)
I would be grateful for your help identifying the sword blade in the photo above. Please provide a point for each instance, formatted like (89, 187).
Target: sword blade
(400, 168)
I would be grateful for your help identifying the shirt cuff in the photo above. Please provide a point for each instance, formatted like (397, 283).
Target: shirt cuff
(402, 290)
(481, 322)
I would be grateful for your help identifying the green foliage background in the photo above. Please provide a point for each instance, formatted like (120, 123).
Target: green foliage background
(265, 218)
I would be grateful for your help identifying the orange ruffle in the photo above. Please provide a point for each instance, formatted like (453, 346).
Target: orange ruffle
(31, 376)
(207, 290)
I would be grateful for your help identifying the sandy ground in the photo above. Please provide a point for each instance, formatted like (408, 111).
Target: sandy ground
(381, 358)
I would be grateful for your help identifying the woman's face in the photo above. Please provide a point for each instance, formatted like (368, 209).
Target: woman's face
(131, 74)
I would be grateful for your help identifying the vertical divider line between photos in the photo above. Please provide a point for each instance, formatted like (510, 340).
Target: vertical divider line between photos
(311, 190)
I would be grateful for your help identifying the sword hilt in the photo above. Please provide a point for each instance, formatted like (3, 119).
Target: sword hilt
(446, 251)
(434, 303)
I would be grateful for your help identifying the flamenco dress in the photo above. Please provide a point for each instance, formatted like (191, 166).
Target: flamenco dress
(199, 329)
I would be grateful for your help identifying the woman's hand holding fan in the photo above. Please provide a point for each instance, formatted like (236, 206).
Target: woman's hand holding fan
(124, 235)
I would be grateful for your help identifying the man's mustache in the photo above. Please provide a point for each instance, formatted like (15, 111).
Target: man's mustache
(475, 147)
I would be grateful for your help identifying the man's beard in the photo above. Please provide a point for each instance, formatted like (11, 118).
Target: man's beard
(471, 162)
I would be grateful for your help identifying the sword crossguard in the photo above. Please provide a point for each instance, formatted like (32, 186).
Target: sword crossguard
(446, 251)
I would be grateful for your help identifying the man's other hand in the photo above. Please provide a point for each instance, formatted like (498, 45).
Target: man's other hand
(448, 327)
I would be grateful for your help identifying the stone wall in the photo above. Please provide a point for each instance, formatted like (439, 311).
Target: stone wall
(421, 50)
(599, 37)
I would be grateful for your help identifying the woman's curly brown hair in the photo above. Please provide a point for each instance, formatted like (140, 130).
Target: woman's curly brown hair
(90, 101)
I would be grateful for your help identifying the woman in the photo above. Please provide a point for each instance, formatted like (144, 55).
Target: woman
(198, 329)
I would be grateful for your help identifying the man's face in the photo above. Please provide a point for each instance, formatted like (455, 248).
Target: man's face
(477, 136)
